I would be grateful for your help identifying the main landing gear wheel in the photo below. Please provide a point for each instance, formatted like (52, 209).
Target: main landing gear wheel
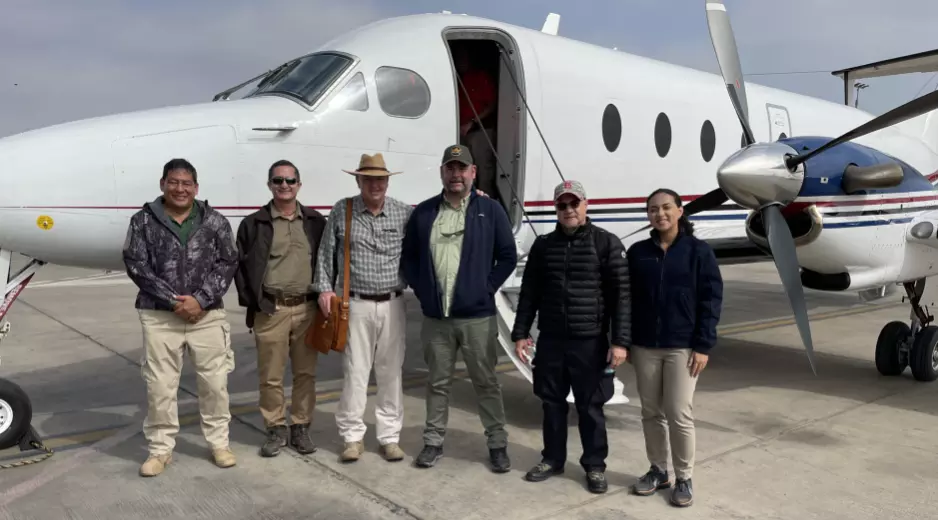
(916, 346)
(924, 356)
(892, 348)
(16, 412)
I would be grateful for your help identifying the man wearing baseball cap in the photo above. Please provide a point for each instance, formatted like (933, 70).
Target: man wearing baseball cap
(576, 282)
(460, 232)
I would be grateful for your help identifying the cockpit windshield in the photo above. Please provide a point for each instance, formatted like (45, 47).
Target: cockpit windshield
(306, 78)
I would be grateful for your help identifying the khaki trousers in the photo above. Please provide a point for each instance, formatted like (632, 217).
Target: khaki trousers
(376, 338)
(666, 390)
(166, 337)
(279, 337)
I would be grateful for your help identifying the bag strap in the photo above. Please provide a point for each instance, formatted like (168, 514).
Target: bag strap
(348, 236)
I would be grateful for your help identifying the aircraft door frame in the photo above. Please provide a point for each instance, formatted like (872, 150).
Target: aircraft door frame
(779, 122)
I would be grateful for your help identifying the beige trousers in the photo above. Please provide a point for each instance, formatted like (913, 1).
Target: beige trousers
(376, 339)
(666, 390)
(279, 337)
(166, 337)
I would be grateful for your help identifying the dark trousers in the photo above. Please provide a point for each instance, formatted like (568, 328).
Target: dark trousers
(560, 365)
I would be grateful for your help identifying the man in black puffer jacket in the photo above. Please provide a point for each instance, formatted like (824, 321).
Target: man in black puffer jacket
(577, 283)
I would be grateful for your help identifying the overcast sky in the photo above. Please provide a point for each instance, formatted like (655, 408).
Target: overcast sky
(63, 60)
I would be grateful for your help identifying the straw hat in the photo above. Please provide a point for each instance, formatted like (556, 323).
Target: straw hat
(372, 166)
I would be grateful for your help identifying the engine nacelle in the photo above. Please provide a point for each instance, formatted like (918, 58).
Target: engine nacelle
(805, 225)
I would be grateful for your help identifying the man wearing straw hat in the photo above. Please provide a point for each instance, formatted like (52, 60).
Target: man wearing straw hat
(377, 314)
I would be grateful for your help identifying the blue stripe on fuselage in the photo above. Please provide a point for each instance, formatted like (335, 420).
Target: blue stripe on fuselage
(899, 219)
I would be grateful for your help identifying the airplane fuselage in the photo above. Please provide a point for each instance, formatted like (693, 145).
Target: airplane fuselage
(624, 125)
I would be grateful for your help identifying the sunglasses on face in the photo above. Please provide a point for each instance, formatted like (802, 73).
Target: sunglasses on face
(280, 180)
(562, 206)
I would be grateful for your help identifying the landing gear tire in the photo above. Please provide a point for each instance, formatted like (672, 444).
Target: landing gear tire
(891, 358)
(16, 413)
(923, 358)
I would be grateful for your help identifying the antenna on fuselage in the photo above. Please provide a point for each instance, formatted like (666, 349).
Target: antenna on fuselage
(551, 24)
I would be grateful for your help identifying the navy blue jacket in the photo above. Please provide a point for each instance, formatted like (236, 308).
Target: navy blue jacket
(677, 296)
(489, 256)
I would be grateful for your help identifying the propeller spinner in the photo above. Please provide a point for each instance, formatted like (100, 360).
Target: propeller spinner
(766, 176)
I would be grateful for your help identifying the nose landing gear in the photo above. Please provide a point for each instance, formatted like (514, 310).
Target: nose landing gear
(16, 411)
(914, 346)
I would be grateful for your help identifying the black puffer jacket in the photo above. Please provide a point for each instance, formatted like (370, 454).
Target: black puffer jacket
(578, 285)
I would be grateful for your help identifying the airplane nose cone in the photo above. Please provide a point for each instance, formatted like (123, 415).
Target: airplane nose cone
(757, 175)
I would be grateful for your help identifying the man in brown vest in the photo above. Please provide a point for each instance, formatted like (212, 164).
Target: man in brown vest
(278, 247)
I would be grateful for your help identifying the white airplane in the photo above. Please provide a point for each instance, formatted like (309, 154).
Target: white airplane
(858, 216)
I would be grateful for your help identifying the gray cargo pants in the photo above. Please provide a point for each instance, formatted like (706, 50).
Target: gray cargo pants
(476, 339)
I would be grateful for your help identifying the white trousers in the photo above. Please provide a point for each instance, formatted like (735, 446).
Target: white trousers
(376, 338)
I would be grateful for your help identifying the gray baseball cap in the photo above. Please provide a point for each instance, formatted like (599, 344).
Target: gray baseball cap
(571, 187)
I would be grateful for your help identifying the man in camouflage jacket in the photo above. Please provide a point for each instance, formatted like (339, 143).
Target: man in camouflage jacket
(181, 254)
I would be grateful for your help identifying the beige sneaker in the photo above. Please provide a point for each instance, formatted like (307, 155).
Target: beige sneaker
(353, 450)
(392, 452)
(224, 458)
(155, 464)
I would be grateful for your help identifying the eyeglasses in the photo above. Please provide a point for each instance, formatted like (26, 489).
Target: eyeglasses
(280, 180)
(562, 206)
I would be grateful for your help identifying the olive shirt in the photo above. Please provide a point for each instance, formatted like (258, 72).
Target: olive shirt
(185, 227)
(289, 271)
(446, 236)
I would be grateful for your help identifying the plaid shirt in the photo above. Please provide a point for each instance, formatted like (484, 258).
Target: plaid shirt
(375, 248)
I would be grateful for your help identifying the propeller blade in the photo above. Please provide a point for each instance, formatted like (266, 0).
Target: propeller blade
(913, 108)
(705, 202)
(647, 227)
(724, 45)
(702, 203)
(783, 252)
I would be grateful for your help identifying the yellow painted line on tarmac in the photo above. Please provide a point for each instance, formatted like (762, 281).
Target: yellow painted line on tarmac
(70, 440)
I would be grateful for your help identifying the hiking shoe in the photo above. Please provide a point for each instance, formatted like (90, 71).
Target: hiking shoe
(276, 439)
(392, 452)
(500, 461)
(542, 471)
(596, 482)
(299, 439)
(429, 456)
(155, 464)
(353, 450)
(652, 481)
(683, 494)
(224, 458)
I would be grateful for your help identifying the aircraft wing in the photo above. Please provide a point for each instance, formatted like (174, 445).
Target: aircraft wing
(729, 247)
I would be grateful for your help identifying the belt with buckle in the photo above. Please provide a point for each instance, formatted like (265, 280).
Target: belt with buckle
(376, 297)
(291, 300)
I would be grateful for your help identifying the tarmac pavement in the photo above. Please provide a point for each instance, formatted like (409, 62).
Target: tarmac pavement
(773, 440)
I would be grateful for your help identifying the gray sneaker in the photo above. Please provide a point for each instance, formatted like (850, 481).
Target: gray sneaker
(683, 494)
(652, 481)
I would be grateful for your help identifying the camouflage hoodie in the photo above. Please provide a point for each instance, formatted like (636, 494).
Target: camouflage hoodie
(163, 267)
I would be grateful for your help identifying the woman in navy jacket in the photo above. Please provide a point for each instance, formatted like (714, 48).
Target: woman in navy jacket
(677, 296)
